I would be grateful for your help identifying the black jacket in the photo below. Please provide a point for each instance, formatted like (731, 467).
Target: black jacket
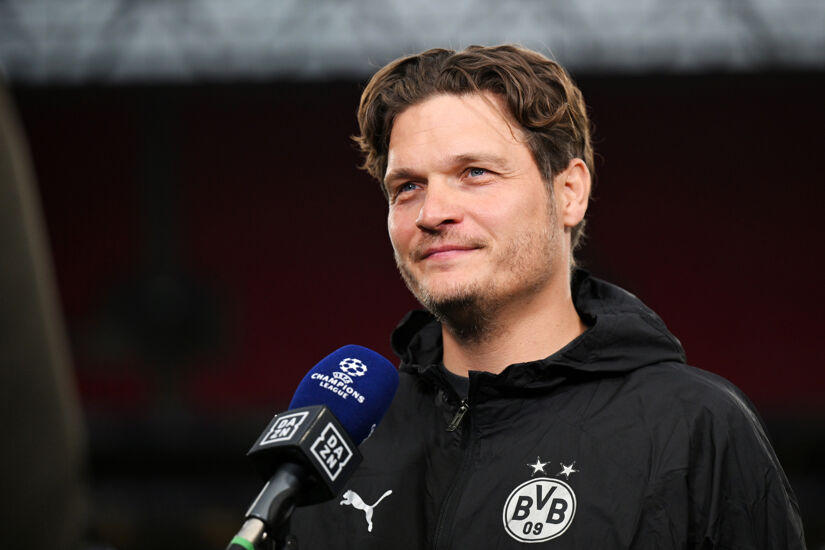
(612, 442)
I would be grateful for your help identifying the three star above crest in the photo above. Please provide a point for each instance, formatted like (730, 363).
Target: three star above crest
(567, 470)
(538, 466)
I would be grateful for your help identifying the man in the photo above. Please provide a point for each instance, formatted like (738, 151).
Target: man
(537, 405)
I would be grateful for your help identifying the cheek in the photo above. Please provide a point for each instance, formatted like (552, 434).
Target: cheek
(396, 230)
(506, 214)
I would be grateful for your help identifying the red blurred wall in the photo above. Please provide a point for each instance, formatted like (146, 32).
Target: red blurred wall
(706, 206)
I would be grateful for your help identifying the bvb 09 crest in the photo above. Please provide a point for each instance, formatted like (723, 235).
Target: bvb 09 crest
(539, 509)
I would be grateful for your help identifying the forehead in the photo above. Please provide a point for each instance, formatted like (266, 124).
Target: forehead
(451, 125)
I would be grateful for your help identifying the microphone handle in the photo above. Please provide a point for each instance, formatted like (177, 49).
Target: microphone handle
(270, 511)
(254, 529)
(250, 537)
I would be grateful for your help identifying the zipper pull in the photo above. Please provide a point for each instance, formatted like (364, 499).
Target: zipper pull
(459, 415)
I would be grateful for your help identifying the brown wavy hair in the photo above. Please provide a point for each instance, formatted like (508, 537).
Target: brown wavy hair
(540, 95)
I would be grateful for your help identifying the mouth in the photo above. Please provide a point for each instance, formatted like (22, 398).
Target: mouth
(446, 251)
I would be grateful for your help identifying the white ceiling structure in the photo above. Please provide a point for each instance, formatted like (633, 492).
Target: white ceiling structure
(120, 41)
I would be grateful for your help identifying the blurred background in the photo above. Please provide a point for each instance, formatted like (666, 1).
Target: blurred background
(184, 231)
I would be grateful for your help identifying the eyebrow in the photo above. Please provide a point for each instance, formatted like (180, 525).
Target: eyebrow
(456, 160)
(472, 158)
(400, 173)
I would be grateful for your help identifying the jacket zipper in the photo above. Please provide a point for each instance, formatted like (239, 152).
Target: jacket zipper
(446, 516)
(459, 416)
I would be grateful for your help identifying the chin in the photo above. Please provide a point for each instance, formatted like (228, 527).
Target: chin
(465, 307)
(440, 288)
(468, 314)
(449, 295)
(447, 291)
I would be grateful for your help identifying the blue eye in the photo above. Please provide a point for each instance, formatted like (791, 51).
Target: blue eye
(403, 189)
(475, 172)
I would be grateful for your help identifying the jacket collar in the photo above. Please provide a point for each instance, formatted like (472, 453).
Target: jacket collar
(624, 335)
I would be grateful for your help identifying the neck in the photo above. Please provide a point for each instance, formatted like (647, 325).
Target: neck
(528, 330)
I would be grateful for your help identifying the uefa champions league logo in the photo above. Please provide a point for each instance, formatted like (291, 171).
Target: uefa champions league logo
(353, 367)
(341, 380)
(350, 367)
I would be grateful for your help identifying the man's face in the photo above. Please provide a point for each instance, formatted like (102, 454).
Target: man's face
(471, 220)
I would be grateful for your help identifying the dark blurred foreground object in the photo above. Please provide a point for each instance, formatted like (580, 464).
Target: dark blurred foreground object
(43, 495)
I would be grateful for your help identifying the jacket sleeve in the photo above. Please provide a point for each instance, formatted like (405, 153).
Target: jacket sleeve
(720, 485)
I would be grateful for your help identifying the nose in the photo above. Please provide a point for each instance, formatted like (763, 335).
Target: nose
(441, 207)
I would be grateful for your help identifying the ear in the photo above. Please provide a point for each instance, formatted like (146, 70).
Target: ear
(572, 188)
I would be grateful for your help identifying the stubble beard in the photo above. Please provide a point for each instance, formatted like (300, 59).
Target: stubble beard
(471, 311)
(467, 311)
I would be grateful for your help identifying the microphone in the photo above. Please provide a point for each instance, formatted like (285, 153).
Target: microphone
(307, 453)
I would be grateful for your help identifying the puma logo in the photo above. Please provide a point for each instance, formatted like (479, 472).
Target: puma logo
(351, 498)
